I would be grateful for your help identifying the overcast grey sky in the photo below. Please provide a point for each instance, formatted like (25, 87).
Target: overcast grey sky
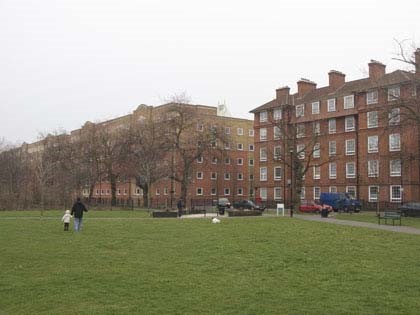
(65, 62)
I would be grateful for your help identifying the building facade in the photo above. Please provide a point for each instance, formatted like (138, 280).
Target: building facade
(360, 137)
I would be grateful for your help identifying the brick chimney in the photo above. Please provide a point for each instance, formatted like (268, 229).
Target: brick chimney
(376, 69)
(282, 94)
(305, 86)
(417, 60)
(336, 78)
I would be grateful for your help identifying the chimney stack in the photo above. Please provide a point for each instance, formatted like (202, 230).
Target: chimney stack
(376, 69)
(336, 78)
(305, 86)
(282, 94)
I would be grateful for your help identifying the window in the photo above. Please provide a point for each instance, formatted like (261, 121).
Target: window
(350, 170)
(372, 119)
(251, 147)
(394, 142)
(263, 134)
(213, 191)
(351, 190)
(214, 160)
(317, 172)
(119, 192)
(395, 193)
(227, 130)
(263, 174)
(350, 123)
(300, 151)
(227, 146)
(199, 191)
(276, 132)
(373, 168)
(315, 108)
(332, 148)
(372, 144)
(317, 192)
(213, 175)
(199, 175)
(263, 193)
(200, 127)
(332, 125)
(263, 116)
(302, 193)
(157, 192)
(240, 146)
(277, 153)
(300, 130)
(394, 117)
(317, 150)
(240, 131)
(373, 193)
(263, 154)
(227, 176)
(277, 193)
(251, 177)
(240, 161)
(200, 159)
(300, 110)
(332, 189)
(227, 191)
(277, 114)
(333, 170)
(350, 147)
(240, 191)
(348, 101)
(251, 162)
(395, 168)
(138, 191)
(372, 97)
(331, 105)
(316, 127)
(240, 176)
(165, 191)
(393, 93)
(97, 191)
(251, 132)
(277, 173)
(227, 161)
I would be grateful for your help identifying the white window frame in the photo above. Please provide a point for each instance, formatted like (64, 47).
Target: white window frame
(240, 191)
(213, 191)
(213, 176)
(331, 107)
(263, 134)
(240, 131)
(332, 125)
(348, 173)
(315, 108)
(348, 101)
(277, 152)
(277, 114)
(300, 110)
(263, 174)
(316, 172)
(395, 168)
(372, 97)
(226, 176)
(263, 116)
(227, 130)
(349, 123)
(300, 130)
(373, 168)
(317, 192)
(263, 154)
(240, 176)
(350, 147)
(372, 119)
(250, 132)
(199, 175)
(277, 193)
(240, 161)
(263, 193)
(300, 150)
(394, 116)
(332, 170)
(199, 191)
(251, 147)
(276, 132)
(226, 191)
(351, 190)
(332, 189)
(240, 146)
(394, 137)
(394, 93)
(372, 197)
(373, 144)
(277, 176)
(317, 151)
(392, 197)
(302, 193)
(316, 127)
(332, 148)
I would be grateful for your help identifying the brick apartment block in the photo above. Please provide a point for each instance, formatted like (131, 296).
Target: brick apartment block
(367, 146)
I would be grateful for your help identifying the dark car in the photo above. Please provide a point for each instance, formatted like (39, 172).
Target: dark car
(248, 204)
(410, 209)
(222, 205)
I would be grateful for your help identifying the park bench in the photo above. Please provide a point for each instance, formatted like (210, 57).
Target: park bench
(389, 215)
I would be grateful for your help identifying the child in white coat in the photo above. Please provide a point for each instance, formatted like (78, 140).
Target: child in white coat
(66, 219)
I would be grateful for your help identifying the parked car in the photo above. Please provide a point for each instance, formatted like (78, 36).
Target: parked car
(222, 205)
(410, 209)
(248, 204)
(341, 202)
(313, 207)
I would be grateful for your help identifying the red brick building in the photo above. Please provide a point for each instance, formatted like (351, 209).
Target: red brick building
(367, 140)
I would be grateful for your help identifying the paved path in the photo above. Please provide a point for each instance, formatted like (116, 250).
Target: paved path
(399, 229)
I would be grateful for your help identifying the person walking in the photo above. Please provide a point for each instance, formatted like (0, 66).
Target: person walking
(180, 205)
(78, 209)
(66, 219)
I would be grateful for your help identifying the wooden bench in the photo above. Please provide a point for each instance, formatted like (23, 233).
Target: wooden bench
(389, 215)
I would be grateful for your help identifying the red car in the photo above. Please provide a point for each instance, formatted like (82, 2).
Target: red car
(313, 207)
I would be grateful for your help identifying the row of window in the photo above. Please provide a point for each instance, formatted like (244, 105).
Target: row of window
(395, 192)
(226, 176)
(227, 161)
(105, 192)
(239, 130)
(226, 191)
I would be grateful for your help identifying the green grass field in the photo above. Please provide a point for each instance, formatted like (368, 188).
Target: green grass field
(124, 262)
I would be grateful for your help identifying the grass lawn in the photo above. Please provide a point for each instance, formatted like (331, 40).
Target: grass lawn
(370, 216)
(125, 263)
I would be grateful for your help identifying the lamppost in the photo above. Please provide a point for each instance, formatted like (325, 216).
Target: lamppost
(291, 182)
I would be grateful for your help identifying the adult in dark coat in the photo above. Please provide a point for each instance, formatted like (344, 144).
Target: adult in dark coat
(77, 211)
(180, 205)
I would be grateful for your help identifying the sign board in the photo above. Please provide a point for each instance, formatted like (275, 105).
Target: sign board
(280, 207)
